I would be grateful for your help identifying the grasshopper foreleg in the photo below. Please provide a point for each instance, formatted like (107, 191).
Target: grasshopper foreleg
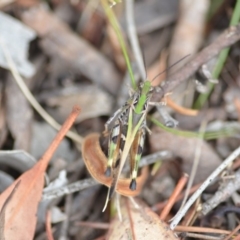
(111, 120)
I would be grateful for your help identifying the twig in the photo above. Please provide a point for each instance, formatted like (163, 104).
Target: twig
(98, 225)
(202, 236)
(234, 232)
(229, 37)
(161, 205)
(180, 109)
(71, 188)
(205, 184)
(172, 199)
(201, 230)
(48, 225)
(195, 162)
(222, 194)
(154, 157)
(65, 224)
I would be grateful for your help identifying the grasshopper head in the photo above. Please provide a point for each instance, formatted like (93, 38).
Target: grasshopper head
(145, 87)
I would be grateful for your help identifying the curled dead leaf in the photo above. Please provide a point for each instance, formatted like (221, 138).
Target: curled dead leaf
(138, 223)
(96, 163)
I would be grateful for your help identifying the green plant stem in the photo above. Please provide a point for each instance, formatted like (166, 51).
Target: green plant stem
(201, 100)
(227, 132)
(114, 22)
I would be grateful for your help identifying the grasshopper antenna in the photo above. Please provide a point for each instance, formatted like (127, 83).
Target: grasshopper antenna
(170, 67)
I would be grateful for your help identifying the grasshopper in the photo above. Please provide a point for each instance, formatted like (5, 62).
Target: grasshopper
(127, 135)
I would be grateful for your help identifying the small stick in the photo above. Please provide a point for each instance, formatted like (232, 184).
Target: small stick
(200, 230)
(202, 236)
(48, 225)
(98, 225)
(161, 205)
(237, 237)
(232, 233)
(180, 109)
(226, 39)
(196, 159)
(180, 185)
(204, 185)
(222, 194)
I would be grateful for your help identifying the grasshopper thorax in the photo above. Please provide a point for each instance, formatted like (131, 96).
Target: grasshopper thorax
(145, 91)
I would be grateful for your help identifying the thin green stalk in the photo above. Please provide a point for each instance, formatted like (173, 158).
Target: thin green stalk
(201, 100)
(227, 132)
(114, 22)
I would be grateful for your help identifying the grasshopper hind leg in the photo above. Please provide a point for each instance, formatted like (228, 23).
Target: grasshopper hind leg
(135, 156)
(113, 148)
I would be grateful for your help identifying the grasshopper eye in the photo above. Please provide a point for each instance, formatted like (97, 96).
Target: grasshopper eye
(141, 84)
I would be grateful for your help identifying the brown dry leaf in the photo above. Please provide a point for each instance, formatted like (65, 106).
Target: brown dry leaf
(58, 41)
(185, 149)
(96, 163)
(19, 119)
(138, 224)
(24, 204)
(20, 213)
(3, 210)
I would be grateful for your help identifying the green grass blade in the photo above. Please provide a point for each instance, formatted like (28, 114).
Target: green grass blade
(201, 100)
(114, 22)
(225, 132)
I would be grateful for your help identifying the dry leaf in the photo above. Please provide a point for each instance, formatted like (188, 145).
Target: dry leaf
(19, 119)
(24, 204)
(20, 213)
(138, 224)
(76, 53)
(96, 163)
(16, 41)
(3, 211)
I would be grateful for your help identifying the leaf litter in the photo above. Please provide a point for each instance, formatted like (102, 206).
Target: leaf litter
(59, 49)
